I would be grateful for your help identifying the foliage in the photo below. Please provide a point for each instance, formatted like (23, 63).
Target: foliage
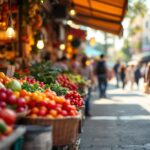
(125, 53)
(44, 72)
(136, 8)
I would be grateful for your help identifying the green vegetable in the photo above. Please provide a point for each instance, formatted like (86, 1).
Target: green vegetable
(3, 126)
(58, 89)
(33, 87)
(14, 85)
(44, 72)
(77, 79)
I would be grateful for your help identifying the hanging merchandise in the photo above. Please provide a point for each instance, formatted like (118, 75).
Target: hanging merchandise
(40, 43)
(62, 46)
(72, 11)
(10, 32)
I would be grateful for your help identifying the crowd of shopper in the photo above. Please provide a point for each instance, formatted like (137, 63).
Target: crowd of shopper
(129, 74)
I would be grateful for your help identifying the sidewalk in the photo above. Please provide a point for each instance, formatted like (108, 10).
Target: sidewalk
(121, 122)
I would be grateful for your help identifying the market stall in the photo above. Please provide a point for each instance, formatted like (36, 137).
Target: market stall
(39, 88)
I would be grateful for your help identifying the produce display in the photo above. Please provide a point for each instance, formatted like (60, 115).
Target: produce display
(64, 81)
(7, 120)
(77, 79)
(48, 104)
(75, 98)
(10, 99)
(44, 72)
(33, 81)
(58, 89)
(46, 93)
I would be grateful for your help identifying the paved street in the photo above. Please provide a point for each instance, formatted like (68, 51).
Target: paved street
(121, 122)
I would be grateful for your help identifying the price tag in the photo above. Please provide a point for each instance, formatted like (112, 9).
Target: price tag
(10, 70)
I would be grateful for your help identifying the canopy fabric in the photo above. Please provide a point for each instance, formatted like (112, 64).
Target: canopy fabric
(105, 15)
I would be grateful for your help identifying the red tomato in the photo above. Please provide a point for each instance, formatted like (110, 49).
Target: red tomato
(64, 113)
(43, 103)
(73, 113)
(8, 116)
(42, 112)
(59, 109)
(51, 105)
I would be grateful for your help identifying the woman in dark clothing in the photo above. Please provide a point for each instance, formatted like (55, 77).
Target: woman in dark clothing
(123, 75)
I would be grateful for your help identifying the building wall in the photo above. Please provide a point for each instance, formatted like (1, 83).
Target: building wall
(146, 34)
(136, 39)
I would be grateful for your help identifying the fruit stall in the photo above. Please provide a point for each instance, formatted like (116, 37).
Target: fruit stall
(43, 96)
(41, 105)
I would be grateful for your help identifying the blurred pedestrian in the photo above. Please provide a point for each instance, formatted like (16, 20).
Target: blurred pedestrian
(116, 71)
(130, 73)
(87, 72)
(101, 72)
(74, 64)
(61, 63)
(122, 72)
(137, 75)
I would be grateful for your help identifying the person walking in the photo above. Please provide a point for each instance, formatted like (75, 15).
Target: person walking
(87, 72)
(137, 75)
(123, 75)
(101, 72)
(116, 71)
(130, 74)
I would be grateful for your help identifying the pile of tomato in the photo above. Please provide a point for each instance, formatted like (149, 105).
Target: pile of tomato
(75, 98)
(64, 81)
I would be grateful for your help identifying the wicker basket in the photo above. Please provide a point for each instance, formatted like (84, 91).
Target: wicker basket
(65, 130)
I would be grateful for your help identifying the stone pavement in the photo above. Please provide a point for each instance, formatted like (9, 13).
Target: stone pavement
(121, 122)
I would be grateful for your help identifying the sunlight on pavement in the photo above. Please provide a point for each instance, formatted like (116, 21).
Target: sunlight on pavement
(120, 97)
(123, 118)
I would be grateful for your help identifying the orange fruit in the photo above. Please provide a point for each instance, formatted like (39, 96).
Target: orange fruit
(53, 112)
(35, 110)
(2, 75)
(33, 115)
(43, 108)
(23, 93)
(49, 116)
(17, 94)
(27, 98)
(9, 130)
(60, 116)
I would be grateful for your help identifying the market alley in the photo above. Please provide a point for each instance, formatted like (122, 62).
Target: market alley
(121, 122)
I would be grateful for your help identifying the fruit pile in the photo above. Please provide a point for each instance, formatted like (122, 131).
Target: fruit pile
(75, 98)
(64, 81)
(7, 120)
(4, 79)
(41, 101)
(49, 105)
(33, 81)
(11, 99)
